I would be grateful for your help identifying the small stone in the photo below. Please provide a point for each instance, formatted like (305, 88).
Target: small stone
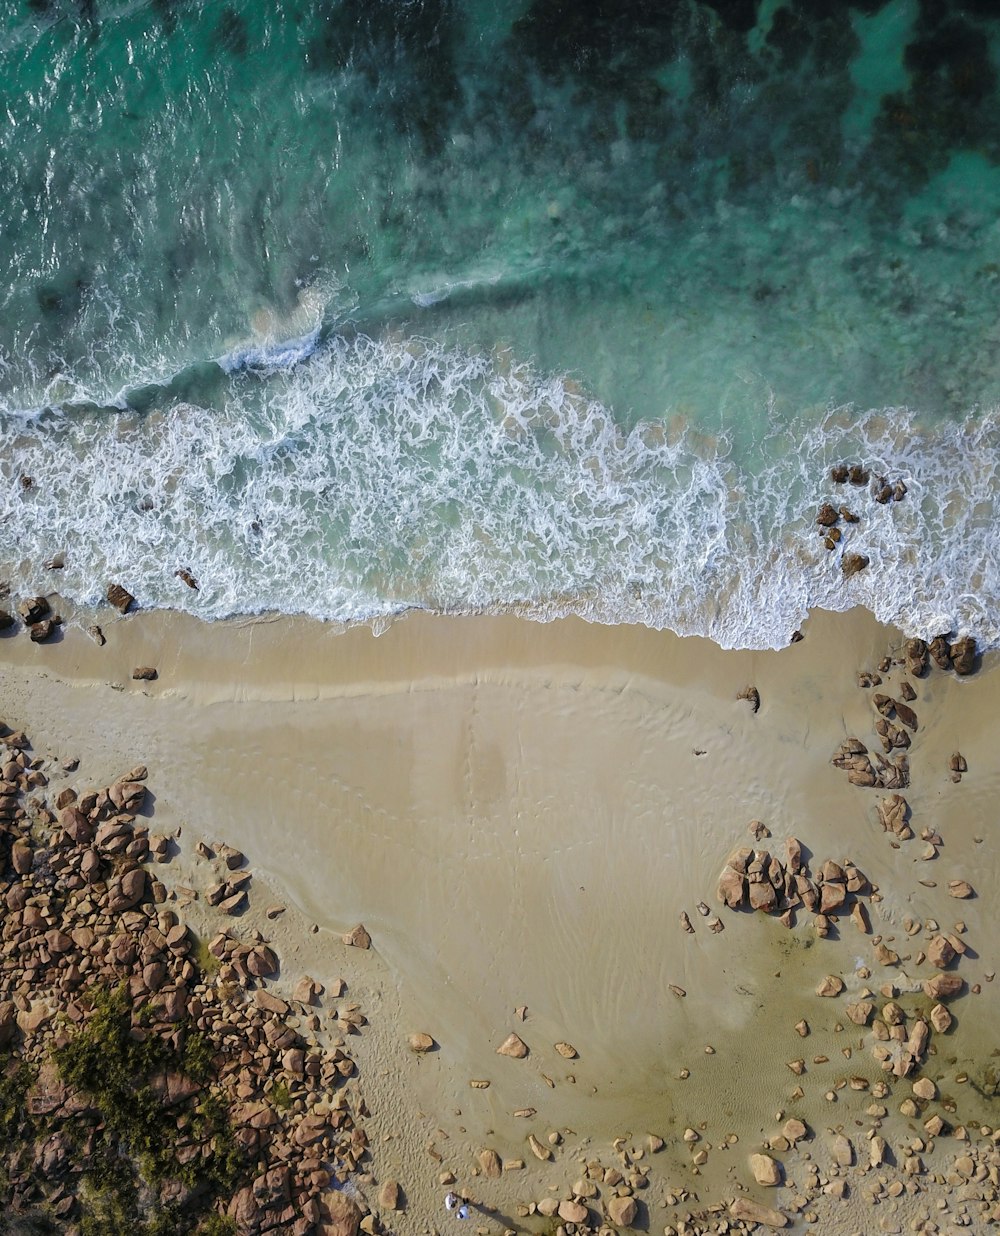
(420, 1042)
(567, 1050)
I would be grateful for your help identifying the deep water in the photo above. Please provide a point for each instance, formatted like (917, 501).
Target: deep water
(350, 307)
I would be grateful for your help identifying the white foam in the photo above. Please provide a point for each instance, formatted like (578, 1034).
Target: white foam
(379, 475)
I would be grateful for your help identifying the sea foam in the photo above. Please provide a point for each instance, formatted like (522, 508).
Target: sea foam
(363, 477)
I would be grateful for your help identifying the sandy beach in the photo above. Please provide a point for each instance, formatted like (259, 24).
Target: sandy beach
(520, 814)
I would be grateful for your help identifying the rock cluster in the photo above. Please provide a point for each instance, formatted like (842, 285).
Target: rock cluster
(759, 880)
(106, 1002)
(886, 774)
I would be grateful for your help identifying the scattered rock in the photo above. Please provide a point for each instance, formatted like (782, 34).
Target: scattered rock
(746, 1211)
(513, 1046)
(622, 1211)
(357, 937)
(852, 563)
(961, 889)
(390, 1196)
(144, 673)
(924, 1088)
(828, 515)
(766, 1171)
(573, 1212)
(943, 986)
(41, 631)
(184, 574)
(120, 598)
(963, 655)
(33, 610)
(97, 635)
(831, 985)
(752, 695)
(490, 1162)
(567, 1050)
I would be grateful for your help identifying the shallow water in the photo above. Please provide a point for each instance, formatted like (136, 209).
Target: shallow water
(349, 308)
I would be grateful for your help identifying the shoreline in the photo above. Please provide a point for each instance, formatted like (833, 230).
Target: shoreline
(519, 813)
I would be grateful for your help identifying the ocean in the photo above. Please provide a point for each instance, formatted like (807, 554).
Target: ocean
(348, 307)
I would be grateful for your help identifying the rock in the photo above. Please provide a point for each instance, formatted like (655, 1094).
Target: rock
(924, 1088)
(941, 1019)
(6, 620)
(943, 986)
(573, 1212)
(97, 635)
(905, 714)
(731, 889)
(184, 574)
(794, 1131)
(744, 1210)
(763, 896)
(622, 1211)
(838, 474)
(941, 652)
(8, 1021)
(33, 610)
(269, 1003)
(892, 813)
(514, 1047)
(144, 673)
(537, 1149)
(120, 598)
(390, 1194)
(306, 990)
(916, 657)
(752, 695)
(831, 985)
(963, 655)
(490, 1162)
(420, 1042)
(766, 1171)
(877, 1149)
(232, 857)
(41, 631)
(842, 1150)
(940, 952)
(357, 937)
(566, 1050)
(828, 515)
(852, 563)
(341, 1216)
(261, 962)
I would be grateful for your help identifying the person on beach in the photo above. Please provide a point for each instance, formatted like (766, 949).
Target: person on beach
(451, 1202)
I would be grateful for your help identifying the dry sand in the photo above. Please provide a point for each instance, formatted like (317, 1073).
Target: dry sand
(519, 813)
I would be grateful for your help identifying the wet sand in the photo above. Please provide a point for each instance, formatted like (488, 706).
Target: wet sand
(519, 813)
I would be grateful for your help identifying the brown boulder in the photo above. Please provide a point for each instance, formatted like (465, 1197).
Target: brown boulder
(744, 1210)
(763, 896)
(940, 953)
(120, 598)
(827, 516)
(41, 631)
(8, 1021)
(341, 1216)
(514, 1047)
(33, 610)
(357, 937)
(963, 655)
(573, 1212)
(916, 657)
(6, 620)
(622, 1211)
(732, 889)
(943, 986)
(261, 962)
(490, 1162)
(390, 1196)
(851, 564)
(941, 652)
(144, 673)
(420, 1042)
(905, 714)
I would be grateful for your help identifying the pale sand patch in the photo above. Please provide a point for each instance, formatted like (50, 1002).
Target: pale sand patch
(518, 814)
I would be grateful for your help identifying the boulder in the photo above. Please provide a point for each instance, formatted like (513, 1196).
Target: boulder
(144, 673)
(828, 515)
(852, 563)
(120, 598)
(622, 1211)
(33, 610)
(514, 1047)
(490, 1162)
(390, 1195)
(184, 574)
(8, 1021)
(940, 952)
(831, 985)
(961, 889)
(963, 655)
(941, 1019)
(420, 1042)
(943, 986)
(262, 962)
(732, 889)
(905, 714)
(766, 1171)
(924, 1088)
(566, 1050)
(842, 1150)
(6, 620)
(916, 657)
(573, 1212)
(340, 1215)
(41, 631)
(745, 1211)
(357, 937)
(941, 652)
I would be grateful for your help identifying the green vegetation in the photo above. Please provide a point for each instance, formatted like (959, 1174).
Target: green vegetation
(116, 1063)
(15, 1082)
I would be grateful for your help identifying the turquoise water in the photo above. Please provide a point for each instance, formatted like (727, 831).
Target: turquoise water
(351, 307)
